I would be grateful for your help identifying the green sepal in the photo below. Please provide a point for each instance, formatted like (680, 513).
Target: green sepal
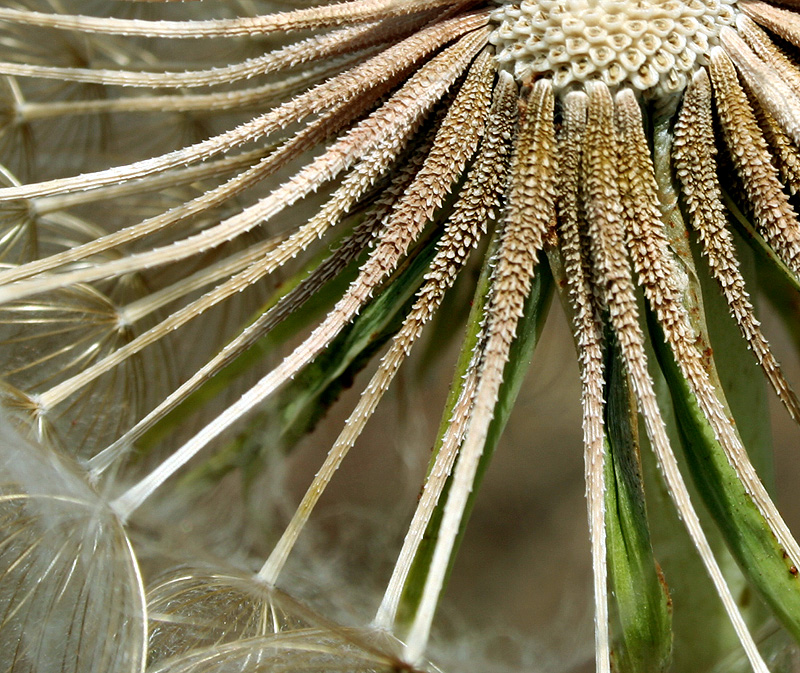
(528, 332)
(742, 525)
(641, 597)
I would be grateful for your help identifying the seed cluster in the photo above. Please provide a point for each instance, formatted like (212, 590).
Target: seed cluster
(652, 46)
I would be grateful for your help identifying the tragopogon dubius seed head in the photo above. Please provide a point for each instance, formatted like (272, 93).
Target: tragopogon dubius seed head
(154, 187)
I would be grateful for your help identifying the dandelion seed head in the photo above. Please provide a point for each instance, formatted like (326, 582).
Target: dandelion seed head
(652, 46)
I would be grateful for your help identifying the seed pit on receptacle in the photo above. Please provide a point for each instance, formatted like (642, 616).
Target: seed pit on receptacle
(653, 46)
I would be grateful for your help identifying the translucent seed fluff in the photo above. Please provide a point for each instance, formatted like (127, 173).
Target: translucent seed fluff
(653, 46)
